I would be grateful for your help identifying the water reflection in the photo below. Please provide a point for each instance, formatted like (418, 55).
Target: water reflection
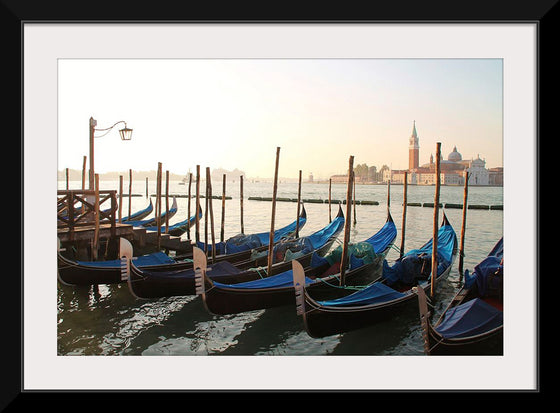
(108, 320)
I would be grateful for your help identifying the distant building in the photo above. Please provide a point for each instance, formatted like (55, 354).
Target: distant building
(451, 169)
(496, 176)
(413, 149)
(337, 179)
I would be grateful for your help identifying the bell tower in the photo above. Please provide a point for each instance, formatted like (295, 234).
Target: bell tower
(413, 149)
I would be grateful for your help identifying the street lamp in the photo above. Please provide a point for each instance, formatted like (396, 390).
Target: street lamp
(125, 133)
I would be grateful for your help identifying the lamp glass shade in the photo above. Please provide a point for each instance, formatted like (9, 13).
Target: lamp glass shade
(126, 134)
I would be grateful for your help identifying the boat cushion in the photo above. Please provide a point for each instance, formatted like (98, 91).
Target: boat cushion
(470, 318)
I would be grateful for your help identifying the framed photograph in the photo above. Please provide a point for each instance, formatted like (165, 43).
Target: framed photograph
(225, 95)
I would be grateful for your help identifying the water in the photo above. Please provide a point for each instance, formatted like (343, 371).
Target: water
(108, 320)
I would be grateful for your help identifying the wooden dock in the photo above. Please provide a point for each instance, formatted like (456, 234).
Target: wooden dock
(78, 227)
(143, 239)
(86, 232)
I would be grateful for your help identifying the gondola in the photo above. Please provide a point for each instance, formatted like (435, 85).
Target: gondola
(139, 215)
(472, 323)
(322, 274)
(257, 243)
(381, 299)
(148, 284)
(74, 272)
(178, 228)
(153, 221)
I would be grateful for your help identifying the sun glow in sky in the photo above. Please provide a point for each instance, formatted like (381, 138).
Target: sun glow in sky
(233, 113)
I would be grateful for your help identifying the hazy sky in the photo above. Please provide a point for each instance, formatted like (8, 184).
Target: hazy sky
(233, 113)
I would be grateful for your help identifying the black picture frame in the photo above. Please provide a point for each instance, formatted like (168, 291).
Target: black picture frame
(15, 13)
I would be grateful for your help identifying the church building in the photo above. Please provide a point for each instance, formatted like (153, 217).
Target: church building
(451, 169)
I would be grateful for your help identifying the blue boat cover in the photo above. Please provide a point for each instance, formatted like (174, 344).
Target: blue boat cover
(384, 237)
(319, 238)
(219, 246)
(468, 319)
(290, 249)
(219, 269)
(309, 243)
(143, 260)
(150, 221)
(379, 292)
(242, 242)
(409, 267)
(282, 232)
(488, 273)
(285, 279)
(375, 293)
(359, 253)
(179, 224)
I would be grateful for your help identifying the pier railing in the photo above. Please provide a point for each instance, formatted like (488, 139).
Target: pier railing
(81, 208)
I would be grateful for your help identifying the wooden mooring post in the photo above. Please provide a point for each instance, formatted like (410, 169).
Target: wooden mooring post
(223, 221)
(96, 210)
(354, 195)
(166, 201)
(197, 219)
(435, 223)
(344, 258)
(271, 236)
(298, 205)
(403, 225)
(189, 206)
(120, 197)
(330, 216)
(210, 204)
(206, 216)
(84, 173)
(129, 192)
(241, 203)
(463, 225)
(158, 202)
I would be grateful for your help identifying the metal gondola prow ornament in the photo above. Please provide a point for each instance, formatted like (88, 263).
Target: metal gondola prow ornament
(125, 254)
(199, 265)
(59, 249)
(424, 317)
(299, 286)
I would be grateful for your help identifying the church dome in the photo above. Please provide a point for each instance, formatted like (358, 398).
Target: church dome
(455, 156)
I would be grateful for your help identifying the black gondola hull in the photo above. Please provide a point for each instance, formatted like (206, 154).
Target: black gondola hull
(223, 300)
(322, 321)
(145, 285)
(489, 344)
(73, 273)
(486, 335)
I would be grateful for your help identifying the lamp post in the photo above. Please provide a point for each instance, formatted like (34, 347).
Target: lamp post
(125, 133)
